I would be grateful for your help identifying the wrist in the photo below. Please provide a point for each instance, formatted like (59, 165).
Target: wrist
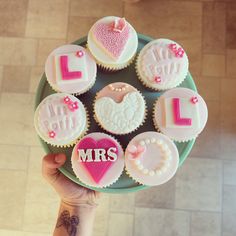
(76, 218)
(78, 206)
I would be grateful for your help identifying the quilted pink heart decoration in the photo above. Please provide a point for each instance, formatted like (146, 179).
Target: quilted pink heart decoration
(97, 169)
(112, 37)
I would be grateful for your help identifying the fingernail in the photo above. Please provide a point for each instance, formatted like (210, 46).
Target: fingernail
(58, 158)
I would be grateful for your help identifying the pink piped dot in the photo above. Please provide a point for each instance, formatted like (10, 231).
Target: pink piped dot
(79, 53)
(194, 100)
(51, 134)
(173, 46)
(179, 53)
(73, 106)
(157, 79)
(66, 100)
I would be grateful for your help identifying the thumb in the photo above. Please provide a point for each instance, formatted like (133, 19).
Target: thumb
(50, 165)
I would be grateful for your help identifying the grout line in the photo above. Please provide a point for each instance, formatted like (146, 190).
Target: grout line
(68, 20)
(27, 16)
(190, 223)
(133, 231)
(123, 9)
(226, 20)
(19, 145)
(202, 48)
(26, 185)
(185, 210)
(222, 195)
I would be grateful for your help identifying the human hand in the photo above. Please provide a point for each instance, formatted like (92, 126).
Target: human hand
(70, 192)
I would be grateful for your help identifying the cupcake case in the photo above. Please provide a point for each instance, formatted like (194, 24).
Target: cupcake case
(128, 75)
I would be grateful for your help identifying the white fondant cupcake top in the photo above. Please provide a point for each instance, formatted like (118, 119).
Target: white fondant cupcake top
(112, 41)
(60, 119)
(71, 69)
(151, 158)
(119, 108)
(162, 64)
(98, 160)
(181, 114)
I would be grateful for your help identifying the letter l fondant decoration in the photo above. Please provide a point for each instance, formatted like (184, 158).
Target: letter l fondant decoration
(66, 74)
(178, 120)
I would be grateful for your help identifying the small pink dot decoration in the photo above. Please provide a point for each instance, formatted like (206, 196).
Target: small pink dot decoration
(179, 52)
(194, 100)
(157, 79)
(79, 53)
(51, 134)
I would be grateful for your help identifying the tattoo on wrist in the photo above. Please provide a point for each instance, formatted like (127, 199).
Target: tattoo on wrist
(70, 223)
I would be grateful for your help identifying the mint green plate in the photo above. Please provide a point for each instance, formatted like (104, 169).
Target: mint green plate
(124, 183)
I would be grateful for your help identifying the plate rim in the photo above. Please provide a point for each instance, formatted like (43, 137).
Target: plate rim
(82, 41)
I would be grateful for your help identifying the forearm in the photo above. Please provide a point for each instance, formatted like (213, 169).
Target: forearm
(74, 220)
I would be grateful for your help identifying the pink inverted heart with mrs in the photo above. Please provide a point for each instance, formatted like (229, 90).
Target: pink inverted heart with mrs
(97, 156)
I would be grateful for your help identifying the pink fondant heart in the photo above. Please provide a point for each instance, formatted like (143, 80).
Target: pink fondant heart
(112, 41)
(97, 169)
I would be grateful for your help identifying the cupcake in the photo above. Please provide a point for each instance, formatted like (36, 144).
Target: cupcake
(151, 158)
(113, 42)
(71, 69)
(98, 160)
(162, 64)
(181, 114)
(60, 119)
(119, 108)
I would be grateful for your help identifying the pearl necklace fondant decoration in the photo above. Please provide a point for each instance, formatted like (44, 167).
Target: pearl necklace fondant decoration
(118, 89)
(166, 156)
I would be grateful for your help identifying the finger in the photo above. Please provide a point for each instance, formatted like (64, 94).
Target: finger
(51, 163)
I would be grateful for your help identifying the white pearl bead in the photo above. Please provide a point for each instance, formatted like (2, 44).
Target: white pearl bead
(164, 147)
(151, 173)
(167, 157)
(158, 172)
(123, 88)
(164, 169)
(153, 140)
(145, 171)
(142, 143)
(140, 167)
(159, 142)
(147, 141)
(168, 152)
(137, 162)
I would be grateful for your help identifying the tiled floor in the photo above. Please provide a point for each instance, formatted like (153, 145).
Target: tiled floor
(201, 199)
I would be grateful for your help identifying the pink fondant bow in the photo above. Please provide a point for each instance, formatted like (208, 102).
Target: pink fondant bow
(135, 151)
(119, 24)
(70, 104)
(179, 52)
